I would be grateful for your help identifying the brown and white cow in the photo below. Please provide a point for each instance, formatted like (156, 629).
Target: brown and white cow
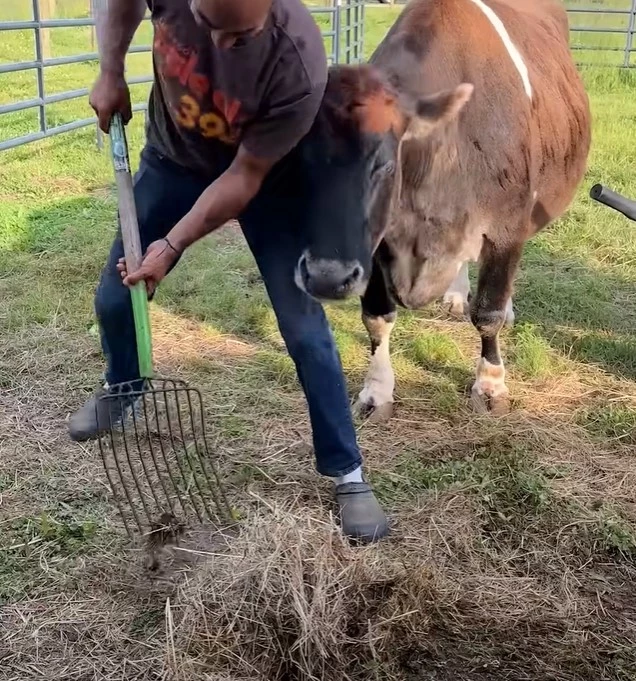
(466, 134)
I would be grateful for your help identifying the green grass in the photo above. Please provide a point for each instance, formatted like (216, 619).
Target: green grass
(543, 495)
(532, 355)
(503, 478)
(611, 421)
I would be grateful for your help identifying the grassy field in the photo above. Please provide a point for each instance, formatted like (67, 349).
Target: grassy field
(515, 537)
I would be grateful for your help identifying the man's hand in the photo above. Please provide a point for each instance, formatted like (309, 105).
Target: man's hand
(110, 95)
(156, 262)
(115, 23)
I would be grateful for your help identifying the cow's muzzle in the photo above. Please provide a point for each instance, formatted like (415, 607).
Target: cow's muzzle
(330, 279)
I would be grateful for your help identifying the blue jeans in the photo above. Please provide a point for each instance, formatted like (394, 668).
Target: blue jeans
(164, 193)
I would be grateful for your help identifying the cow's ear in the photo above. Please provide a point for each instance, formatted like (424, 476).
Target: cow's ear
(438, 109)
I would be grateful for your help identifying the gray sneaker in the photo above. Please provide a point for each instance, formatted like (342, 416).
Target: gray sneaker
(98, 416)
(361, 516)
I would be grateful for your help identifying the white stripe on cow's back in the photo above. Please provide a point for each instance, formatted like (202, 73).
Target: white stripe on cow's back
(514, 53)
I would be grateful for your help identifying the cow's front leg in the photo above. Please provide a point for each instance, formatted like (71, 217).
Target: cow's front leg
(458, 293)
(457, 297)
(510, 313)
(490, 309)
(378, 316)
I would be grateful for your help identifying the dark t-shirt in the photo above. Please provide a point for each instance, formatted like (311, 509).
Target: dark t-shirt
(263, 93)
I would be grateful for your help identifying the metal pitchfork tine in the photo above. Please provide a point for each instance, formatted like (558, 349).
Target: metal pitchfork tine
(156, 456)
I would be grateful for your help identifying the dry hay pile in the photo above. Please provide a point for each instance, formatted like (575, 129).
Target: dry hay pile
(292, 601)
(512, 560)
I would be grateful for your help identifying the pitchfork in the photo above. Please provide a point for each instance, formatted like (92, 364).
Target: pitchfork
(156, 455)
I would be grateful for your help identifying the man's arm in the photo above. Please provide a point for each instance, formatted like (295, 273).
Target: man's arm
(223, 200)
(115, 28)
(264, 143)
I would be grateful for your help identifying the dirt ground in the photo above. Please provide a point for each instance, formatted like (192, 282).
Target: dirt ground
(512, 555)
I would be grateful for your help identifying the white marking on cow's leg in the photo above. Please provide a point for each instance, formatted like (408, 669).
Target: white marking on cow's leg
(489, 310)
(514, 53)
(457, 295)
(377, 394)
(510, 313)
(489, 389)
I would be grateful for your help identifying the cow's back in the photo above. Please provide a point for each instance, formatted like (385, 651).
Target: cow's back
(518, 134)
(560, 107)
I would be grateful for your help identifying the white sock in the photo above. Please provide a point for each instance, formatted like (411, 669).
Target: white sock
(354, 476)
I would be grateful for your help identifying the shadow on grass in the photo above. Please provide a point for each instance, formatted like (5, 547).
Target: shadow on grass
(583, 313)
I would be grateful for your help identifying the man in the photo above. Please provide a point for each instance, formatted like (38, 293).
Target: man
(237, 85)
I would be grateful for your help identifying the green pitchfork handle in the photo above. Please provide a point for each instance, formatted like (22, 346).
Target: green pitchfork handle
(132, 242)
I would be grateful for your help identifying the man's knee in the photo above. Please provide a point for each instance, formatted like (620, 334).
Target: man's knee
(308, 339)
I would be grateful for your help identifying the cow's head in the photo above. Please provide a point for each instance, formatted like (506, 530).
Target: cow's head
(351, 158)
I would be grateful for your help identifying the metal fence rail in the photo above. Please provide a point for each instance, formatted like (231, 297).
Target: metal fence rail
(604, 34)
(343, 39)
(581, 40)
(598, 34)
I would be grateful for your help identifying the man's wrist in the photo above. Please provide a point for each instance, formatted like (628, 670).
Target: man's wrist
(113, 68)
(177, 252)
(178, 238)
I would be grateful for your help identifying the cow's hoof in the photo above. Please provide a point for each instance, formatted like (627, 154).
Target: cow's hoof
(456, 306)
(489, 392)
(374, 414)
(496, 404)
(382, 414)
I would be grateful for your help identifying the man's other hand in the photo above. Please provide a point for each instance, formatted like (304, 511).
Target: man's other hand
(156, 262)
(110, 95)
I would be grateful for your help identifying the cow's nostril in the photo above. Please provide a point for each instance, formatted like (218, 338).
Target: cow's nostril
(328, 279)
(353, 278)
(303, 269)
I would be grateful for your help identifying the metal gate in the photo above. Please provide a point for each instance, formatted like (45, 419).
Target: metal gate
(341, 22)
(602, 31)
(602, 34)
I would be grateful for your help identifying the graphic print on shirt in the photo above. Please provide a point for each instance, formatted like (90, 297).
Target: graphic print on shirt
(196, 106)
